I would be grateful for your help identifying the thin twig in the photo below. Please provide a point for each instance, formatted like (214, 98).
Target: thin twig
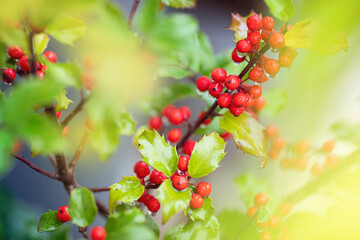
(83, 232)
(32, 53)
(73, 112)
(99, 189)
(133, 11)
(36, 168)
(53, 161)
(79, 150)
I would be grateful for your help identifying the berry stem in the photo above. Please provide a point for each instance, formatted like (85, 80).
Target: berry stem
(133, 11)
(254, 60)
(36, 168)
(79, 150)
(83, 232)
(99, 189)
(32, 53)
(73, 113)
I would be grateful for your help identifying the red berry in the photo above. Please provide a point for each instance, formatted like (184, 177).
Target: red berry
(249, 101)
(167, 110)
(256, 74)
(261, 199)
(189, 147)
(174, 135)
(236, 58)
(24, 63)
(224, 100)
(183, 163)
(40, 74)
(203, 83)
(58, 115)
(185, 112)
(155, 122)
(232, 82)
(144, 197)
(8, 75)
(272, 66)
(285, 60)
(254, 23)
(204, 189)
(243, 46)
(15, 52)
(254, 37)
(215, 89)
(277, 40)
(235, 110)
(141, 169)
(255, 91)
(261, 62)
(268, 23)
(157, 177)
(98, 233)
(153, 205)
(196, 201)
(51, 56)
(63, 214)
(43, 68)
(218, 75)
(225, 135)
(239, 99)
(206, 121)
(180, 182)
(38, 66)
(176, 117)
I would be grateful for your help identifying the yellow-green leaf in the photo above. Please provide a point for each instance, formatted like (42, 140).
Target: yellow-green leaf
(315, 36)
(41, 41)
(62, 101)
(247, 133)
(281, 9)
(180, 3)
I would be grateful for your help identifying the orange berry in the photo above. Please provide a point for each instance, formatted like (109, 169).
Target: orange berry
(303, 146)
(272, 66)
(259, 104)
(271, 131)
(328, 146)
(302, 163)
(261, 199)
(277, 40)
(265, 235)
(279, 143)
(285, 208)
(273, 153)
(256, 74)
(290, 52)
(274, 222)
(196, 201)
(251, 212)
(65, 131)
(285, 163)
(285, 60)
(317, 169)
(283, 27)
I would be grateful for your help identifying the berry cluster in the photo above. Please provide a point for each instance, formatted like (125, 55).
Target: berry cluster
(96, 233)
(297, 155)
(23, 66)
(239, 96)
(273, 223)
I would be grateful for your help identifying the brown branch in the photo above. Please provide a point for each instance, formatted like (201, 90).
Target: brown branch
(133, 11)
(79, 150)
(36, 168)
(102, 208)
(83, 232)
(32, 53)
(73, 113)
(53, 161)
(99, 189)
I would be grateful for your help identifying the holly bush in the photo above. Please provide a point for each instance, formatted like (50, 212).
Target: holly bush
(150, 61)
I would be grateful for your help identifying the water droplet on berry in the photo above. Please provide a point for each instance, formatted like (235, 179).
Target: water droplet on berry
(153, 214)
(8, 83)
(133, 203)
(263, 163)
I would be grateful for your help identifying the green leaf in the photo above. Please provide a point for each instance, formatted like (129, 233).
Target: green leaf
(82, 207)
(263, 215)
(180, 3)
(128, 190)
(6, 141)
(129, 224)
(235, 225)
(200, 230)
(281, 9)
(347, 131)
(247, 133)
(315, 36)
(148, 14)
(41, 41)
(62, 101)
(248, 185)
(204, 213)
(172, 201)
(276, 99)
(66, 29)
(176, 72)
(126, 123)
(206, 156)
(167, 95)
(49, 222)
(67, 74)
(157, 152)
(171, 233)
(150, 223)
